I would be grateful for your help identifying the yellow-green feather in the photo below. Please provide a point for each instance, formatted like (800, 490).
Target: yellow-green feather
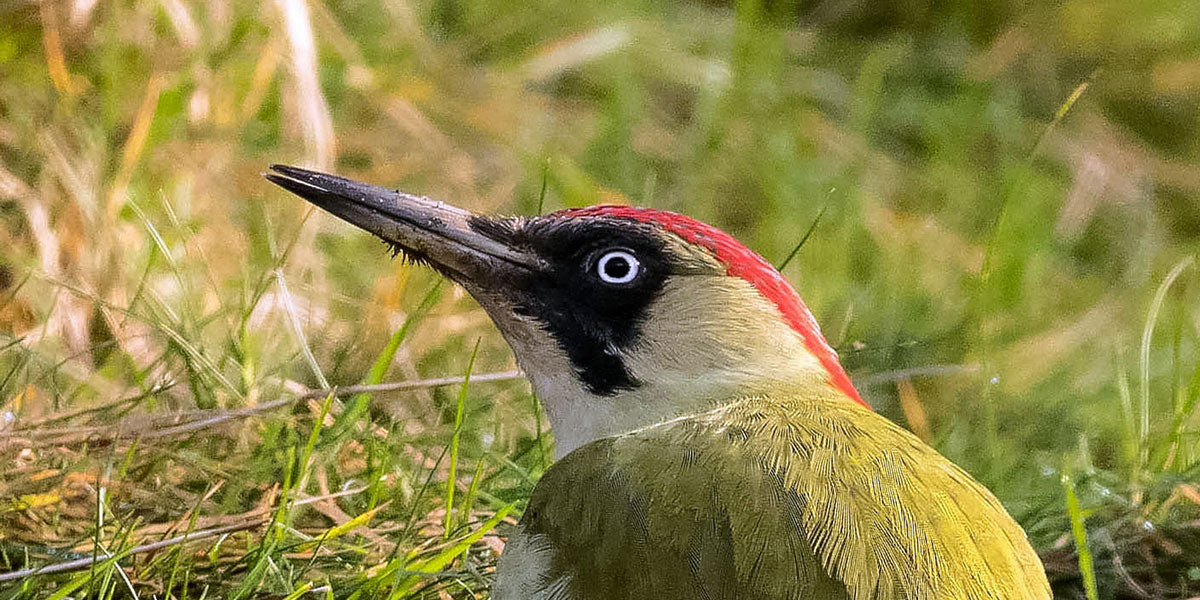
(768, 497)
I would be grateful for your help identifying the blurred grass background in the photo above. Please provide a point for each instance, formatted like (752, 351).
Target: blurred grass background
(1011, 204)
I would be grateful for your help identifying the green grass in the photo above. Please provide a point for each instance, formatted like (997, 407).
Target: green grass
(1005, 209)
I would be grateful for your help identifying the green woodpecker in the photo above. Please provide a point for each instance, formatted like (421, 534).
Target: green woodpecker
(709, 443)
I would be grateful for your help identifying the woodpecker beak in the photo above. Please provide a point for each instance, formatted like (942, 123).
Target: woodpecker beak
(444, 236)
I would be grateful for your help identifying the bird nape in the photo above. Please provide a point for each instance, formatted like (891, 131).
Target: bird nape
(709, 443)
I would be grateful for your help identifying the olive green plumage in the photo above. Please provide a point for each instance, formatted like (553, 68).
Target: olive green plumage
(768, 497)
(779, 484)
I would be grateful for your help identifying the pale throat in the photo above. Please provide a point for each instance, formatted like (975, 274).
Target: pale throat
(689, 360)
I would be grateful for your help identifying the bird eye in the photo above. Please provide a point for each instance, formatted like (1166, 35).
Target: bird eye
(618, 266)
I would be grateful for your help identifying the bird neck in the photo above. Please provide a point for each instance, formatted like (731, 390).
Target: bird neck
(704, 342)
(685, 378)
(578, 417)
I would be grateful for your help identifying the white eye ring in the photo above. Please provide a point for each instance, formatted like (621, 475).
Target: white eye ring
(633, 267)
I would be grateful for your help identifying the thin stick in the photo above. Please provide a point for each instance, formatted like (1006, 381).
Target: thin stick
(339, 392)
(398, 386)
(157, 389)
(923, 371)
(84, 563)
(137, 427)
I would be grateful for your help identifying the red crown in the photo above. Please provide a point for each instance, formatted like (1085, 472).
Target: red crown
(743, 262)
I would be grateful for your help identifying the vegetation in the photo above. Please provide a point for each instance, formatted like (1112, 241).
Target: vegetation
(1009, 195)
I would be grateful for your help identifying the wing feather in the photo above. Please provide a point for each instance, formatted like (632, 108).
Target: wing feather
(769, 498)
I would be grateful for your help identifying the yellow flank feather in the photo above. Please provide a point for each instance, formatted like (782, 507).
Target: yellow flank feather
(769, 497)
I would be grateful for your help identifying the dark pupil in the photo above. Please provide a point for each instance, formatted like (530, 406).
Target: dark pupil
(616, 267)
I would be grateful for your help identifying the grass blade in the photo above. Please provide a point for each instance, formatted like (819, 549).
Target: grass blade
(379, 369)
(454, 442)
(804, 239)
(1086, 565)
(1144, 361)
(298, 329)
(443, 559)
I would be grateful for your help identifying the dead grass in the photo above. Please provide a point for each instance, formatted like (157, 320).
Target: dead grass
(1007, 193)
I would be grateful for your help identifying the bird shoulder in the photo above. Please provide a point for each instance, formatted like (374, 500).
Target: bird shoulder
(771, 497)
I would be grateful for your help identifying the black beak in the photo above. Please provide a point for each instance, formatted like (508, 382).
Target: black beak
(442, 235)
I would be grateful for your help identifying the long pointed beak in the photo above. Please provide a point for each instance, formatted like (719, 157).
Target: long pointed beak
(438, 233)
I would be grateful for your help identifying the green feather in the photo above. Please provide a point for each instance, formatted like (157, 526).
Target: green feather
(769, 497)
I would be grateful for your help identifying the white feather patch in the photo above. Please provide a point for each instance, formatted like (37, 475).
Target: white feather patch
(523, 572)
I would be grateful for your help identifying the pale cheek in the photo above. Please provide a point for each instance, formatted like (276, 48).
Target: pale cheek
(717, 329)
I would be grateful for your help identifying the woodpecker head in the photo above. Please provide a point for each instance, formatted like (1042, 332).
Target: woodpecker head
(621, 317)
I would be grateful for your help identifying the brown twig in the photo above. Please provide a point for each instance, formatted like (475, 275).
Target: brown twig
(84, 563)
(161, 426)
